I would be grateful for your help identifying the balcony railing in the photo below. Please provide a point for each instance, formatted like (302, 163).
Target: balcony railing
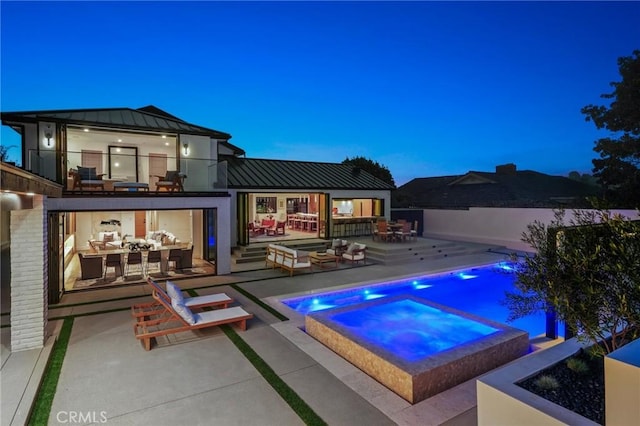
(199, 174)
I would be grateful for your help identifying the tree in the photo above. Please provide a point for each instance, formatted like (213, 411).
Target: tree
(372, 167)
(588, 271)
(618, 165)
(4, 152)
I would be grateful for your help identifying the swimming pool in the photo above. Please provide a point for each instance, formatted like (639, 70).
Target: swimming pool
(478, 291)
(414, 347)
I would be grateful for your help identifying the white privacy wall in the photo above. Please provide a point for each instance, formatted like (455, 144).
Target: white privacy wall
(503, 226)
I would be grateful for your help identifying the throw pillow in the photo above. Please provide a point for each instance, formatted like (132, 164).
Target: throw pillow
(351, 248)
(336, 243)
(174, 292)
(107, 238)
(183, 311)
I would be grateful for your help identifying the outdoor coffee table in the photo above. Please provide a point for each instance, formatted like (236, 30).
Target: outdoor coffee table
(322, 259)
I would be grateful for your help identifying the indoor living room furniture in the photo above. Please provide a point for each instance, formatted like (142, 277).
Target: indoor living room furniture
(90, 266)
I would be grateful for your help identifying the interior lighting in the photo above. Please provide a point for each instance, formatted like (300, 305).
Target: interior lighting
(31, 194)
(164, 136)
(119, 140)
(86, 130)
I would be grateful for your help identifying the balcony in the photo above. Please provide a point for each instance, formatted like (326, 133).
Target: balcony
(125, 172)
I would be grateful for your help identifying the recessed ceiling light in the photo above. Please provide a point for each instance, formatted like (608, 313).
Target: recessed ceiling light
(117, 164)
(86, 130)
(166, 143)
(31, 194)
(118, 149)
(164, 136)
(119, 140)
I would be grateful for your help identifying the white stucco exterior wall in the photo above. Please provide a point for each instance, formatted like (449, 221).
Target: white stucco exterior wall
(28, 277)
(502, 226)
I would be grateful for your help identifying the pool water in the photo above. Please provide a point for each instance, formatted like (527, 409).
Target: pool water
(411, 330)
(478, 291)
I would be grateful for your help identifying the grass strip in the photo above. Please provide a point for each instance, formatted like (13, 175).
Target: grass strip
(259, 302)
(47, 390)
(296, 403)
(93, 302)
(86, 314)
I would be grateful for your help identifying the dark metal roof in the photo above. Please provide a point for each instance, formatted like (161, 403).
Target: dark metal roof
(148, 118)
(520, 189)
(251, 173)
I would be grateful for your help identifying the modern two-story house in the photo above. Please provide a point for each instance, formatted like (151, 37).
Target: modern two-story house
(146, 177)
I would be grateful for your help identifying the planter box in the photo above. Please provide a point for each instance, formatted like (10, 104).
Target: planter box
(622, 381)
(502, 402)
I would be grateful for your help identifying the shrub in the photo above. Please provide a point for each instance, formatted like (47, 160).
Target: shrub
(547, 382)
(577, 365)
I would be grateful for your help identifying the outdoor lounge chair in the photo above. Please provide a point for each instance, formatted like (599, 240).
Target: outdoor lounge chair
(171, 181)
(86, 177)
(179, 318)
(143, 311)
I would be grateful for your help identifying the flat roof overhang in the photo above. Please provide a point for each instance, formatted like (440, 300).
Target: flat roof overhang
(14, 179)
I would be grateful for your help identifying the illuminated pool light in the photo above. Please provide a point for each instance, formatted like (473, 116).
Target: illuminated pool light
(464, 276)
(419, 286)
(505, 266)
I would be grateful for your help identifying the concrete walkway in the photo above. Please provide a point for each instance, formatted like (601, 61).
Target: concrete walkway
(203, 379)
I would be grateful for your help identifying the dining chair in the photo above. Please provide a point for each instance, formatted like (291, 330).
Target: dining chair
(414, 231)
(154, 257)
(90, 266)
(175, 256)
(384, 232)
(114, 261)
(404, 233)
(133, 258)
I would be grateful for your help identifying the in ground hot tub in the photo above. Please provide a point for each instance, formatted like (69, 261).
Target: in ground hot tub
(414, 347)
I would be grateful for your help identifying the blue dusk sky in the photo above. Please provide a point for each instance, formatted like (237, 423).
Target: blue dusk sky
(423, 88)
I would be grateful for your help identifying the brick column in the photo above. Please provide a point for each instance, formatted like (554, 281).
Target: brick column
(28, 277)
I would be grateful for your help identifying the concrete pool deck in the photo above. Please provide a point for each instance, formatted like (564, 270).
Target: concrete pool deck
(196, 379)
